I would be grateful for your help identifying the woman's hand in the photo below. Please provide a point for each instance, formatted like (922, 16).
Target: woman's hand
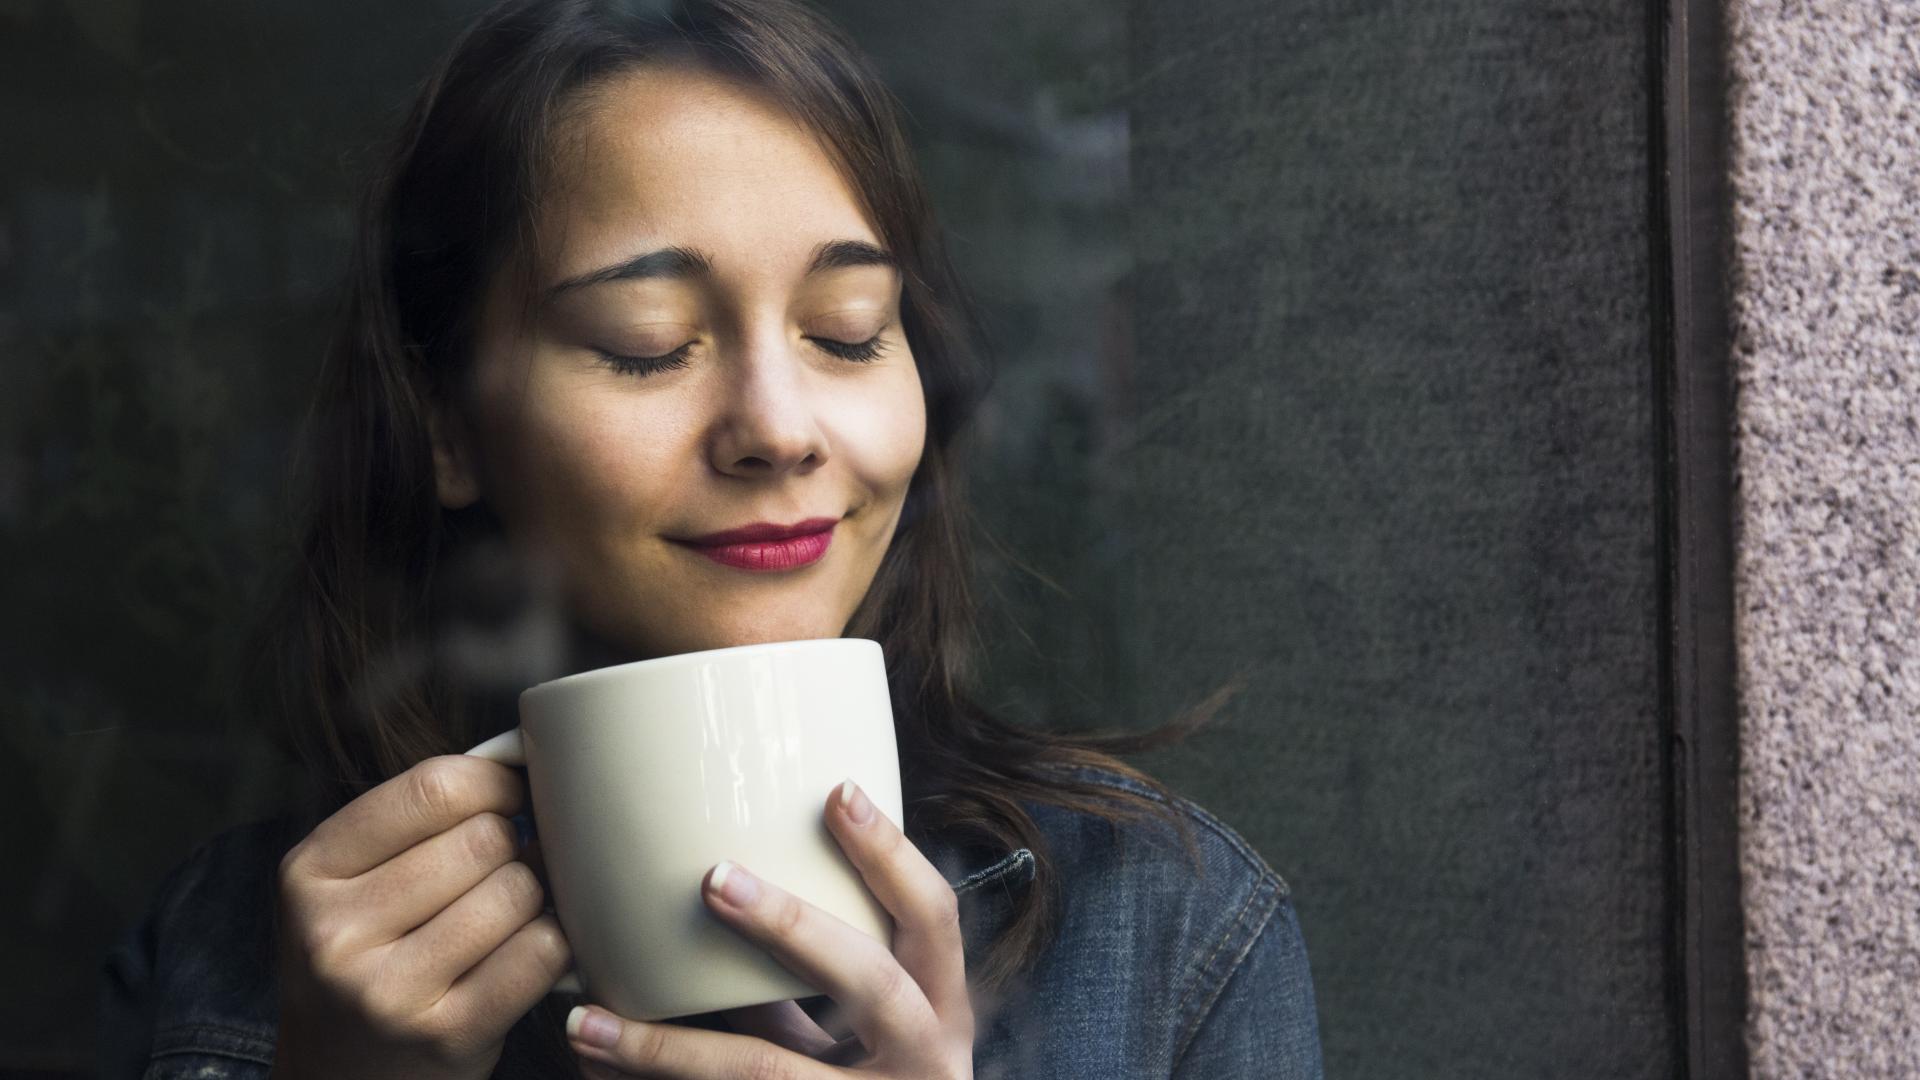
(411, 939)
(908, 1008)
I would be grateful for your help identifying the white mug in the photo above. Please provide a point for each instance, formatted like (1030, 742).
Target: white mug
(644, 775)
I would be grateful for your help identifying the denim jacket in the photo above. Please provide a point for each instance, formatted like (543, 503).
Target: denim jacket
(1158, 969)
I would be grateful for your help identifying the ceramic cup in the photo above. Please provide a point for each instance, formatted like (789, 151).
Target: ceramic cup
(644, 775)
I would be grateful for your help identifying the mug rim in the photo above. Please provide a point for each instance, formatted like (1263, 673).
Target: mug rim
(678, 659)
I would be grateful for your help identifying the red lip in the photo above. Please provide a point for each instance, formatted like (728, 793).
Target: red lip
(764, 530)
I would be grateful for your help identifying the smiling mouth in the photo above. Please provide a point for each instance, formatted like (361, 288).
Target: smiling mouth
(785, 549)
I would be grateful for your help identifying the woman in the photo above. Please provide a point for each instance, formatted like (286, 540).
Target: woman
(630, 279)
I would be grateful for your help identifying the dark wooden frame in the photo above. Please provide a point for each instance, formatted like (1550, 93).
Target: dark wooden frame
(1693, 399)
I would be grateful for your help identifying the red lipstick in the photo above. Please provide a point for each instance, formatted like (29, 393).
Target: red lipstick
(766, 546)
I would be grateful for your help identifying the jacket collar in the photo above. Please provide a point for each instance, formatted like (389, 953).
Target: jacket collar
(988, 882)
(1009, 870)
(971, 866)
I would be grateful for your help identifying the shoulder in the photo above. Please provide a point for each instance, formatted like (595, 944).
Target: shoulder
(191, 984)
(224, 890)
(1156, 915)
(1220, 859)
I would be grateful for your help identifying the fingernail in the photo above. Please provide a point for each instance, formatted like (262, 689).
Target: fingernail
(855, 802)
(593, 1028)
(735, 885)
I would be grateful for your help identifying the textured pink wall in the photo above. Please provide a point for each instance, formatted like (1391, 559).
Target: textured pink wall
(1826, 172)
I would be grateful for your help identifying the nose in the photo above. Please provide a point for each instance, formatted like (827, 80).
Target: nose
(768, 422)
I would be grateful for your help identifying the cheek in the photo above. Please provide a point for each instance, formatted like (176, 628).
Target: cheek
(577, 462)
(893, 431)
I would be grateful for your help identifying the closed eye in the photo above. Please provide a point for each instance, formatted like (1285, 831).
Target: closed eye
(858, 351)
(646, 365)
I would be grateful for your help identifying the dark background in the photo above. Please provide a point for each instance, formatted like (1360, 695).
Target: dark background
(1325, 354)
(1391, 270)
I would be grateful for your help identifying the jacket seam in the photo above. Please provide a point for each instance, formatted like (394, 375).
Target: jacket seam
(1013, 863)
(240, 1044)
(1201, 1008)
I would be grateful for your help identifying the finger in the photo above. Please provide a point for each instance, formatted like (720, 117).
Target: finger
(594, 1070)
(783, 1023)
(926, 914)
(417, 884)
(428, 799)
(510, 981)
(673, 1052)
(884, 1007)
(470, 928)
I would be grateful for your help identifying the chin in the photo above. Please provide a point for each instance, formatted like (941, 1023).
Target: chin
(700, 639)
(763, 635)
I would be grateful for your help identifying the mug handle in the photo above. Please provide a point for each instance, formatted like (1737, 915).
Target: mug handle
(507, 748)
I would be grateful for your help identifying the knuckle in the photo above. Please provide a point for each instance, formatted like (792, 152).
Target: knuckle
(294, 898)
(445, 1023)
(491, 839)
(322, 940)
(943, 909)
(520, 887)
(303, 864)
(437, 786)
(551, 944)
(786, 915)
(293, 864)
(646, 1045)
(887, 981)
(886, 842)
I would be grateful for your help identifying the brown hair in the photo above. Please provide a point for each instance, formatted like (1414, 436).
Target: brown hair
(354, 665)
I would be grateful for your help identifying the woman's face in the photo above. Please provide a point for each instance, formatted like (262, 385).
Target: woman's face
(691, 222)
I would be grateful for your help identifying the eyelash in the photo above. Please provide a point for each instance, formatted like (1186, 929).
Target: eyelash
(860, 352)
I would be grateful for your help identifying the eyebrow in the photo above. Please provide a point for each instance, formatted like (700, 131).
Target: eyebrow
(684, 263)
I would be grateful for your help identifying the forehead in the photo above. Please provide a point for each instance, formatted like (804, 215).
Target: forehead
(671, 154)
